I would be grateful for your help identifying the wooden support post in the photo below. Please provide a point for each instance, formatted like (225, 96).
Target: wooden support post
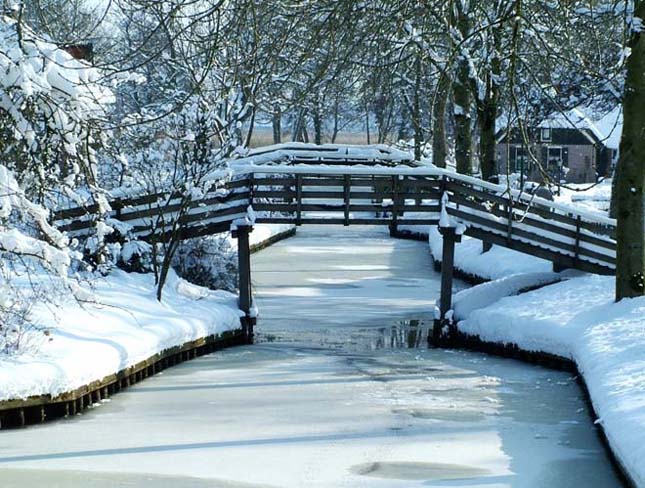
(298, 199)
(395, 204)
(450, 238)
(241, 233)
(346, 189)
(577, 248)
(509, 220)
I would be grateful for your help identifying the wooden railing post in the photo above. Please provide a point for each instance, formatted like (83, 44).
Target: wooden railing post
(298, 199)
(346, 190)
(241, 233)
(395, 206)
(577, 248)
(450, 238)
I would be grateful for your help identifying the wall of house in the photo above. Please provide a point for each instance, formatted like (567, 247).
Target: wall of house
(580, 159)
(582, 164)
(531, 172)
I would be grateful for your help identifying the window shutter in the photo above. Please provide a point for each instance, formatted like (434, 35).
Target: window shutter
(565, 156)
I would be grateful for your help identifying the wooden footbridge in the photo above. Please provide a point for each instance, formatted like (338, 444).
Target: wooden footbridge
(369, 185)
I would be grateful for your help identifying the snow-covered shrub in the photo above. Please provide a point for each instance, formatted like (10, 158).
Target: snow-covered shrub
(34, 261)
(50, 108)
(180, 156)
(137, 257)
(208, 261)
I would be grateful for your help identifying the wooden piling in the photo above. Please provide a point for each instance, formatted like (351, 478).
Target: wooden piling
(244, 278)
(450, 238)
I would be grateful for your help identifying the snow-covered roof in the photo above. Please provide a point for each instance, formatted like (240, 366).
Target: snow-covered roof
(611, 126)
(606, 127)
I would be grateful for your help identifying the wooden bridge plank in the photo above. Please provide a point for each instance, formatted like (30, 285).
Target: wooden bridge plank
(522, 233)
(528, 219)
(547, 254)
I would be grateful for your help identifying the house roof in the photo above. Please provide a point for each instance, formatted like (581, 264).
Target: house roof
(611, 126)
(606, 128)
(598, 126)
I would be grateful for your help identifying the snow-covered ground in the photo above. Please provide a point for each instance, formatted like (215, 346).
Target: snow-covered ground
(125, 326)
(340, 391)
(121, 325)
(496, 263)
(591, 198)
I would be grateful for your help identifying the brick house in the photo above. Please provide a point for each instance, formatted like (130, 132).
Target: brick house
(571, 147)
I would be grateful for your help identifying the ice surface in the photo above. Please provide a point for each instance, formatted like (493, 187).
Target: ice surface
(578, 319)
(335, 394)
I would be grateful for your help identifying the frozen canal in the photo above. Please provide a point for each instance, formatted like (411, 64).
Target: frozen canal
(339, 391)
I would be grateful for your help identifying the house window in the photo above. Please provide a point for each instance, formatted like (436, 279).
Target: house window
(545, 134)
(521, 159)
(554, 157)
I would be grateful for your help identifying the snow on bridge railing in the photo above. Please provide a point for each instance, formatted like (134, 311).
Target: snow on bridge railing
(303, 153)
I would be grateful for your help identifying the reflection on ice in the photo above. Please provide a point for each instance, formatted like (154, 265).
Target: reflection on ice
(404, 334)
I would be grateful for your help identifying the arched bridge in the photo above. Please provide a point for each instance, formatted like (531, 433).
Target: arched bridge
(362, 185)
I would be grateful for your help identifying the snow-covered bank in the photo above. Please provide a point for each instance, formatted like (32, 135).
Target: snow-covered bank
(470, 261)
(126, 325)
(266, 234)
(496, 263)
(122, 325)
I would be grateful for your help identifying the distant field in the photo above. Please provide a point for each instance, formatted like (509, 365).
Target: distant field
(264, 137)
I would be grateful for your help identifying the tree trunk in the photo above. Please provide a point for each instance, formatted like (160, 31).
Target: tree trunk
(367, 123)
(416, 116)
(317, 119)
(630, 197)
(402, 134)
(303, 129)
(276, 122)
(439, 122)
(487, 141)
(463, 125)
(163, 276)
(249, 134)
(295, 127)
(463, 100)
(334, 133)
(487, 113)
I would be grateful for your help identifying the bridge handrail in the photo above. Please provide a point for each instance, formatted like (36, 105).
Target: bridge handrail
(429, 172)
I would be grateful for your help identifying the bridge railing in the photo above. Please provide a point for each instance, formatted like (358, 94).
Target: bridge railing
(355, 195)
(312, 197)
(531, 224)
(149, 214)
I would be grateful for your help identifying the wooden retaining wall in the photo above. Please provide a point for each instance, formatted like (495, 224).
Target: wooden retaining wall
(37, 409)
(272, 240)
